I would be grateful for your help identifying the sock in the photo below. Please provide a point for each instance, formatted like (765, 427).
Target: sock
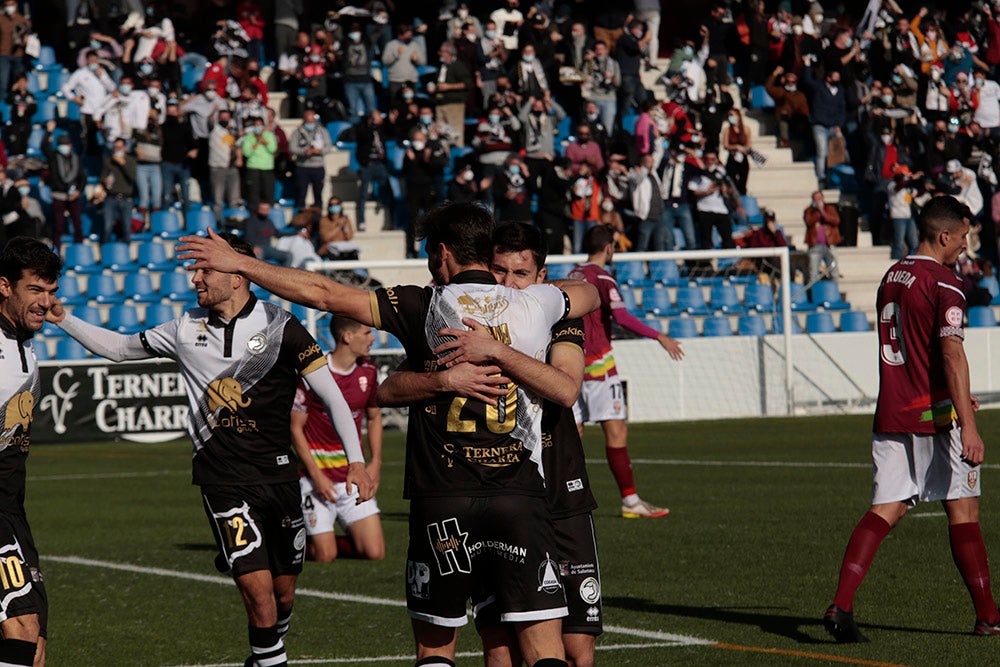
(345, 547)
(17, 652)
(284, 620)
(267, 647)
(969, 552)
(621, 468)
(550, 662)
(434, 661)
(631, 499)
(861, 548)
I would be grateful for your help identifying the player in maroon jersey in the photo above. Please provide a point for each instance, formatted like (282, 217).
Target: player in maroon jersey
(925, 444)
(601, 399)
(325, 500)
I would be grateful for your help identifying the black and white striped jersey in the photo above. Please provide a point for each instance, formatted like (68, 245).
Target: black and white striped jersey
(20, 390)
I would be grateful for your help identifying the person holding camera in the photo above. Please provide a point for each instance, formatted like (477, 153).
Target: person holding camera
(713, 213)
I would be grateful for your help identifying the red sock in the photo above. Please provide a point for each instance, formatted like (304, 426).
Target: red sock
(621, 468)
(861, 548)
(969, 552)
(345, 547)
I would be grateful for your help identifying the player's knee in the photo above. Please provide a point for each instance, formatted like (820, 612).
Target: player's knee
(323, 555)
(372, 550)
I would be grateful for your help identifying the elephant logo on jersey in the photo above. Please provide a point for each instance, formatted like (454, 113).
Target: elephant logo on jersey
(488, 307)
(226, 393)
(19, 411)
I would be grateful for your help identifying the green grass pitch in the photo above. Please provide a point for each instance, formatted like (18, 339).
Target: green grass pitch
(739, 574)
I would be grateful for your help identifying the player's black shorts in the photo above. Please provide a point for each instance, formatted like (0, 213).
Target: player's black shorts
(22, 591)
(576, 556)
(496, 549)
(258, 527)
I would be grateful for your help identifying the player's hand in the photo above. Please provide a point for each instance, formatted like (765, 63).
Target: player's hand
(324, 488)
(474, 345)
(672, 346)
(209, 252)
(975, 404)
(358, 477)
(484, 383)
(374, 471)
(56, 313)
(973, 448)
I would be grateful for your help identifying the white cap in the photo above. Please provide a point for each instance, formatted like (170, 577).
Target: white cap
(954, 166)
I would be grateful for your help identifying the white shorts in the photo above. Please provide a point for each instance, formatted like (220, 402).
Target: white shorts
(910, 467)
(600, 401)
(320, 515)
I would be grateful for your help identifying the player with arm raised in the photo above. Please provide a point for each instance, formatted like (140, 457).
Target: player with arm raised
(925, 444)
(29, 278)
(241, 360)
(325, 500)
(469, 466)
(602, 399)
(518, 261)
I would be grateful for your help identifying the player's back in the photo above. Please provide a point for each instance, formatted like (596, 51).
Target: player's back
(920, 301)
(597, 324)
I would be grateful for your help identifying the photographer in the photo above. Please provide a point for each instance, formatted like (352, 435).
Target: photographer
(708, 189)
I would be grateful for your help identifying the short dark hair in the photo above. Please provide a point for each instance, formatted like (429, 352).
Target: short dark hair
(465, 228)
(518, 237)
(940, 214)
(597, 237)
(23, 253)
(238, 244)
(339, 325)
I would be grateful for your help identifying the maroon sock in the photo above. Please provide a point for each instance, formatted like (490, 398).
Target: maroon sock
(969, 552)
(861, 548)
(345, 547)
(621, 468)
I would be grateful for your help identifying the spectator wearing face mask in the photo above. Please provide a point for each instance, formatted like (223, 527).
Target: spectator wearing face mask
(259, 147)
(602, 79)
(67, 179)
(31, 220)
(630, 51)
(463, 187)
(12, 24)
(737, 141)
(335, 231)
(963, 99)
(149, 160)
(508, 20)
(179, 151)
(123, 113)
(933, 47)
(450, 90)
(356, 61)
(224, 160)
(886, 155)
(492, 61)
(901, 192)
(309, 144)
(822, 236)
(423, 168)
(118, 182)
(938, 97)
(645, 190)
(707, 189)
(988, 111)
(965, 187)
(540, 118)
(585, 198)
(403, 55)
(828, 114)
(512, 192)
(89, 87)
(791, 107)
(584, 151)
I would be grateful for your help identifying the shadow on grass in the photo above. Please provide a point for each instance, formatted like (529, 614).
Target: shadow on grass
(768, 619)
(197, 546)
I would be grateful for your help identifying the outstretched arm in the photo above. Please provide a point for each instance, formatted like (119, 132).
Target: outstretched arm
(102, 342)
(304, 287)
(635, 325)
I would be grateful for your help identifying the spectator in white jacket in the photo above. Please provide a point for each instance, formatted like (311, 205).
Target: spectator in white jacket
(89, 87)
(988, 111)
(124, 111)
(647, 204)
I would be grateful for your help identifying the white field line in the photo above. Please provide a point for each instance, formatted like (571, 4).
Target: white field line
(756, 464)
(659, 639)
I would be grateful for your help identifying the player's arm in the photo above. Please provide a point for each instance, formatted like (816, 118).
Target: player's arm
(476, 346)
(629, 321)
(956, 370)
(321, 382)
(102, 342)
(405, 387)
(583, 297)
(321, 483)
(374, 417)
(304, 287)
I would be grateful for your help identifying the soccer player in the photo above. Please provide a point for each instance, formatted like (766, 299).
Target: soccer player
(925, 444)
(470, 467)
(29, 278)
(325, 500)
(519, 254)
(602, 399)
(241, 360)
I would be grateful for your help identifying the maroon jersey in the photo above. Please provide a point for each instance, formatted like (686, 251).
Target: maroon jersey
(920, 301)
(600, 363)
(358, 386)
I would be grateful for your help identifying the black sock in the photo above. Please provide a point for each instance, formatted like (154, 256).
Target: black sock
(17, 652)
(550, 662)
(266, 645)
(434, 661)
(284, 620)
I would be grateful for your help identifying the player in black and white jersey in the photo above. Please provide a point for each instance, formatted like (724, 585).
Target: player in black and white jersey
(519, 261)
(469, 466)
(29, 278)
(241, 360)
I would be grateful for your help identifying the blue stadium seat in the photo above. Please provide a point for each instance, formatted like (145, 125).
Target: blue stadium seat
(691, 300)
(89, 314)
(260, 292)
(853, 320)
(717, 326)
(981, 316)
(35, 140)
(80, 258)
(724, 298)
(656, 300)
(666, 272)
(68, 349)
(759, 99)
(682, 327)
(41, 349)
(758, 297)
(46, 58)
(101, 288)
(843, 178)
(69, 291)
(117, 257)
(198, 220)
(72, 111)
(152, 256)
(392, 343)
(34, 84)
(139, 288)
(779, 328)
(46, 111)
(800, 299)
(558, 271)
(166, 224)
(653, 323)
(52, 331)
(754, 215)
(277, 217)
(826, 294)
(819, 323)
(628, 298)
(176, 286)
(632, 274)
(751, 325)
(124, 319)
(990, 284)
(158, 313)
(334, 128)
